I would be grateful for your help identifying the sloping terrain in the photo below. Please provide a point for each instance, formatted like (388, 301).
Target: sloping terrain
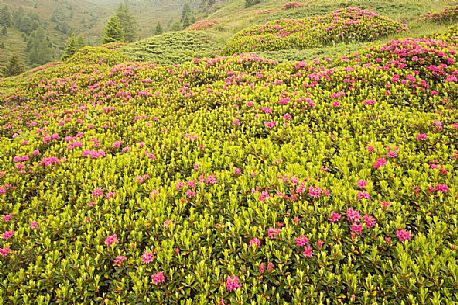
(234, 179)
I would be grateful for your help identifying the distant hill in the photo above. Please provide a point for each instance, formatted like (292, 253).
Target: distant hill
(86, 17)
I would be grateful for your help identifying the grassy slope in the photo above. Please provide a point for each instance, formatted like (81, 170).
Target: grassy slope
(88, 18)
(406, 11)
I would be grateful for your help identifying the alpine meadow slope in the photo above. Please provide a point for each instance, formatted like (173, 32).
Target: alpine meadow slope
(149, 173)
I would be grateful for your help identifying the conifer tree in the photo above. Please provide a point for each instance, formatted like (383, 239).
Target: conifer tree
(249, 3)
(113, 30)
(38, 48)
(73, 44)
(158, 29)
(14, 67)
(128, 23)
(187, 18)
(5, 17)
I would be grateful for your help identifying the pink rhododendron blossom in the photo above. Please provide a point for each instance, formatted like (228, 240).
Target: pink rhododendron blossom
(270, 125)
(158, 278)
(119, 260)
(147, 257)
(232, 283)
(315, 192)
(442, 188)
(363, 195)
(301, 241)
(392, 154)
(352, 215)
(379, 163)
(361, 184)
(308, 251)
(270, 267)
(7, 235)
(211, 180)
(273, 233)
(369, 221)
(357, 228)
(421, 137)
(335, 217)
(7, 217)
(5, 251)
(319, 244)
(255, 242)
(403, 235)
(111, 240)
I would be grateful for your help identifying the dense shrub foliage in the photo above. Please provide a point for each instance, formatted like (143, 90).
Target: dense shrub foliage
(448, 15)
(345, 25)
(173, 48)
(233, 180)
(97, 55)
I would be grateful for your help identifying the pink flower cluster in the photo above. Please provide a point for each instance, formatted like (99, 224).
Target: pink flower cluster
(93, 154)
(111, 240)
(48, 161)
(158, 278)
(5, 251)
(379, 163)
(255, 242)
(119, 260)
(7, 235)
(147, 257)
(273, 233)
(403, 235)
(232, 283)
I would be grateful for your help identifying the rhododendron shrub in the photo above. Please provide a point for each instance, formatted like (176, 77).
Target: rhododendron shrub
(233, 180)
(346, 25)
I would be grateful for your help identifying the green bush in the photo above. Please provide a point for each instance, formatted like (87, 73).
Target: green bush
(346, 25)
(234, 180)
(172, 48)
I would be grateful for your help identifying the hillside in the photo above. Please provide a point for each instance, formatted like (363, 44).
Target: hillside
(87, 18)
(171, 171)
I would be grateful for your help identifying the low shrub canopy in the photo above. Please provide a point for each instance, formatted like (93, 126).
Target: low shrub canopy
(233, 179)
(345, 25)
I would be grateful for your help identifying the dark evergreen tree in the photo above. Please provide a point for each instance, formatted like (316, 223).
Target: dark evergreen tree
(113, 30)
(187, 18)
(71, 46)
(39, 49)
(249, 3)
(128, 23)
(5, 17)
(158, 29)
(14, 67)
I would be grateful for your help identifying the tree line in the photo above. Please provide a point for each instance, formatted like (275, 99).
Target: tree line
(122, 26)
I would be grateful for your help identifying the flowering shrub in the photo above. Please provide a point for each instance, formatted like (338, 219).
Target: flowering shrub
(233, 180)
(346, 25)
(448, 15)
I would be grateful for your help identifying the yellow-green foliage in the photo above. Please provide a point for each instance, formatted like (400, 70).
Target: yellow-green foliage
(448, 15)
(97, 55)
(233, 180)
(173, 48)
(347, 25)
